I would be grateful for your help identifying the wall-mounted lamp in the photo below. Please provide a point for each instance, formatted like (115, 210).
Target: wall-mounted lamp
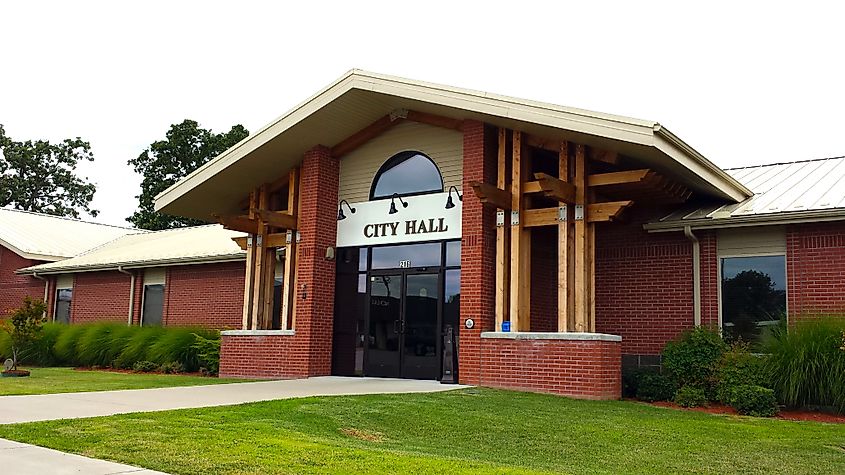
(340, 215)
(449, 203)
(393, 205)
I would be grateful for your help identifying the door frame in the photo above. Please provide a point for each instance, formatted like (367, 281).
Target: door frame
(439, 271)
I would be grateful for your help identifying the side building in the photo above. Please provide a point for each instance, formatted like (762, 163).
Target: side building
(176, 277)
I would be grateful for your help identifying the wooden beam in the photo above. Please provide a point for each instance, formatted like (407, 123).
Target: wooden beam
(241, 242)
(273, 240)
(520, 275)
(582, 238)
(277, 219)
(288, 278)
(435, 120)
(555, 188)
(249, 277)
(261, 306)
(488, 193)
(364, 135)
(605, 156)
(502, 236)
(596, 213)
(565, 254)
(618, 178)
(541, 143)
(241, 223)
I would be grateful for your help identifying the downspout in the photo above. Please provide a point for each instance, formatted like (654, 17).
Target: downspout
(131, 293)
(696, 275)
(46, 291)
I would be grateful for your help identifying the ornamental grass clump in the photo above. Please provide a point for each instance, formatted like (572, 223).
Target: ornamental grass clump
(807, 363)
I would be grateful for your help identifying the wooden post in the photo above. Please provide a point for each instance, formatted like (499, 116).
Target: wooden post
(260, 262)
(565, 267)
(249, 279)
(520, 278)
(584, 247)
(502, 238)
(288, 290)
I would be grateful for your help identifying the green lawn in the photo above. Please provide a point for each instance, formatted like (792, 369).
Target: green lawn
(465, 431)
(69, 380)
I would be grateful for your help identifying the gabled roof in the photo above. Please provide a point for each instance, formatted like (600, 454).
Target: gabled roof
(46, 237)
(192, 245)
(809, 190)
(359, 98)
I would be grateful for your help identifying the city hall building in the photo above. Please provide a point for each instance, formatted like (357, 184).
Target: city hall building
(394, 228)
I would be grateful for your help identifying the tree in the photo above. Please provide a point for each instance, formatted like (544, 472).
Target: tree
(40, 176)
(185, 148)
(24, 326)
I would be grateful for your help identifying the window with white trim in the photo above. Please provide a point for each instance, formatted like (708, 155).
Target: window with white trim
(753, 295)
(64, 297)
(152, 306)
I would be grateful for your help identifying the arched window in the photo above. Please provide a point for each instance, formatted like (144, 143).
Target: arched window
(407, 173)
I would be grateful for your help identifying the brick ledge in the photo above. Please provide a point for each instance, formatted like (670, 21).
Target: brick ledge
(552, 336)
(258, 332)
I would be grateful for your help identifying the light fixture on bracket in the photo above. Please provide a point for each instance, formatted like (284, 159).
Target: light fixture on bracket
(393, 209)
(340, 215)
(449, 203)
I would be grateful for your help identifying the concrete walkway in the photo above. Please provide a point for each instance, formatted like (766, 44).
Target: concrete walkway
(25, 459)
(44, 407)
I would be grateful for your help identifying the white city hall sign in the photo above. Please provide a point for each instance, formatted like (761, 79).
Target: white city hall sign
(425, 218)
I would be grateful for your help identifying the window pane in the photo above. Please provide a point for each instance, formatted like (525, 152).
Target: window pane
(453, 253)
(753, 295)
(419, 255)
(362, 259)
(63, 299)
(407, 173)
(153, 304)
(452, 300)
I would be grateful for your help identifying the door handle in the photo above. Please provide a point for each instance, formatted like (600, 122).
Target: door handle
(397, 326)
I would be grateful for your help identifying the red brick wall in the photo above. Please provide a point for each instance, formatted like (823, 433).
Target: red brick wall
(100, 296)
(263, 357)
(210, 295)
(586, 369)
(643, 285)
(13, 287)
(815, 267)
(478, 251)
(710, 279)
(544, 279)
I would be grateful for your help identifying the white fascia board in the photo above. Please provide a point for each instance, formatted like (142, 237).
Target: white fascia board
(29, 255)
(745, 221)
(129, 265)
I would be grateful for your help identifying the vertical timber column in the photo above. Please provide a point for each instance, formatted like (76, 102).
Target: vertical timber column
(249, 279)
(288, 280)
(502, 235)
(584, 247)
(565, 252)
(478, 251)
(520, 278)
(315, 280)
(260, 261)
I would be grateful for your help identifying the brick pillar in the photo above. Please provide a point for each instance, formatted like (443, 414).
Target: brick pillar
(318, 230)
(478, 251)
(710, 279)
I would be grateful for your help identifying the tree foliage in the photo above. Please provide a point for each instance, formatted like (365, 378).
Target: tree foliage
(24, 326)
(41, 176)
(185, 148)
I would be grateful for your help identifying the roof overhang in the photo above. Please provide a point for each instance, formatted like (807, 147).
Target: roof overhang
(359, 98)
(29, 255)
(772, 219)
(128, 265)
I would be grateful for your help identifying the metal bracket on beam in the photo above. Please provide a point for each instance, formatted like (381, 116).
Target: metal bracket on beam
(288, 237)
(500, 218)
(579, 212)
(258, 240)
(248, 242)
(561, 213)
(298, 237)
(514, 218)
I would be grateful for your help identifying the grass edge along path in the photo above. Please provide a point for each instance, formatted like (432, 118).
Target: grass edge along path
(69, 380)
(462, 431)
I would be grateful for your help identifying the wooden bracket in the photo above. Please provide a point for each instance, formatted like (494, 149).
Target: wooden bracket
(554, 188)
(596, 213)
(618, 178)
(490, 194)
(277, 219)
(240, 223)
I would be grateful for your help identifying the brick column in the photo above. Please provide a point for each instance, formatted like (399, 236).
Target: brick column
(478, 252)
(318, 228)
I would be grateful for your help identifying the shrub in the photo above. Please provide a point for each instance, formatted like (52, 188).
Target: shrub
(738, 366)
(690, 396)
(653, 386)
(144, 367)
(691, 360)
(751, 400)
(806, 363)
(208, 352)
(173, 367)
(24, 327)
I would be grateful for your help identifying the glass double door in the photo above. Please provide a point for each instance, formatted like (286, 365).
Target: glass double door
(403, 323)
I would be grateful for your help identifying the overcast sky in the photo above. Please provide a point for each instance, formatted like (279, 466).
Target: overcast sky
(742, 84)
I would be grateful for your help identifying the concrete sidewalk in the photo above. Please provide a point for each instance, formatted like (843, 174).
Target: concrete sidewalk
(25, 459)
(43, 407)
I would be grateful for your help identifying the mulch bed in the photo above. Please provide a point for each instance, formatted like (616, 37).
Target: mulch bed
(130, 371)
(790, 414)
